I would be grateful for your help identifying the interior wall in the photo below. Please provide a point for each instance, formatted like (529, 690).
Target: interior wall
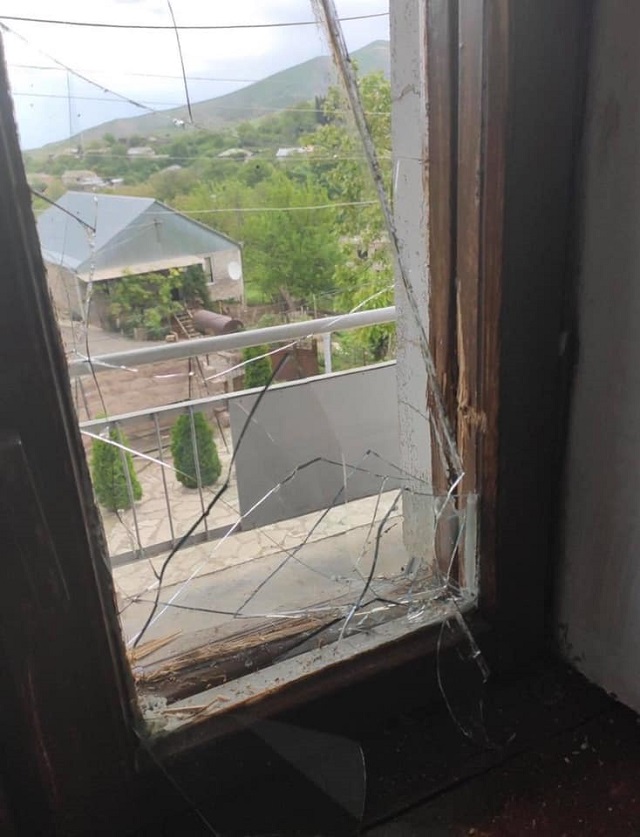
(599, 607)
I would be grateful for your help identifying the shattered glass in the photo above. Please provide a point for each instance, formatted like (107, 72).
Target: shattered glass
(322, 537)
(262, 594)
(317, 541)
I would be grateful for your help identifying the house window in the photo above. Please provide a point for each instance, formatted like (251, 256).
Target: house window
(209, 270)
(415, 504)
(313, 526)
(499, 217)
(315, 530)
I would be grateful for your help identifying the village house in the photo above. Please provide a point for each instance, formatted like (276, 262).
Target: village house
(102, 238)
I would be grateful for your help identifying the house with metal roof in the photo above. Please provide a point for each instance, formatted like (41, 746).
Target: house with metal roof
(101, 238)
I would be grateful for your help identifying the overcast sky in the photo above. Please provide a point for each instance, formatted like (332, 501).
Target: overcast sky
(130, 61)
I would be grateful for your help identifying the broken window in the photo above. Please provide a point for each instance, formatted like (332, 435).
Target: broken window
(270, 508)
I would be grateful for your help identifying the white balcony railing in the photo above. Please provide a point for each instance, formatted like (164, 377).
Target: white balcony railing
(153, 524)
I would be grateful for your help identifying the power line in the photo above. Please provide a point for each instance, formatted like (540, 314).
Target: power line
(162, 158)
(116, 72)
(171, 105)
(38, 194)
(272, 208)
(74, 97)
(320, 206)
(73, 72)
(120, 96)
(194, 27)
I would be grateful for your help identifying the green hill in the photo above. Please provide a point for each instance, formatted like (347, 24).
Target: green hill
(297, 84)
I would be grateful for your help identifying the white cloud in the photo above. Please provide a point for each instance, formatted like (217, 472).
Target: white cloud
(119, 58)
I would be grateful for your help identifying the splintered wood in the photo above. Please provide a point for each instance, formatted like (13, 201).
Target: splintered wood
(147, 648)
(217, 662)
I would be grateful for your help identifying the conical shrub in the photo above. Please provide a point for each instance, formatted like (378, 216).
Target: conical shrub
(257, 372)
(182, 451)
(109, 475)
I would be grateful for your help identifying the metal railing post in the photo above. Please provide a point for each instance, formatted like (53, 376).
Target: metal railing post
(164, 476)
(196, 460)
(326, 344)
(132, 499)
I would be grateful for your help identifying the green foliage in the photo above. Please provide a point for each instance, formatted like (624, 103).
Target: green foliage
(365, 277)
(290, 255)
(257, 372)
(150, 299)
(136, 140)
(335, 258)
(270, 319)
(166, 184)
(184, 149)
(193, 287)
(146, 300)
(230, 196)
(109, 475)
(155, 324)
(182, 451)
(52, 190)
(364, 269)
(280, 129)
(348, 351)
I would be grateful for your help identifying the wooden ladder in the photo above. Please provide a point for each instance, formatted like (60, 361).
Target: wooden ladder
(187, 330)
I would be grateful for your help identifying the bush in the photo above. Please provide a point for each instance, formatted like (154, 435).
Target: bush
(195, 290)
(109, 476)
(183, 453)
(258, 372)
(155, 324)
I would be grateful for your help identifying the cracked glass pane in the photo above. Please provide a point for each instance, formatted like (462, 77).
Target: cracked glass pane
(281, 556)
(322, 785)
(278, 584)
(266, 496)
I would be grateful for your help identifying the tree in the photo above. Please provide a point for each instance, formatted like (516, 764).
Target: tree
(145, 300)
(109, 476)
(364, 270)
(182, 451)
(290, 251)
(231, 196)
(150, 299)
(257, 372)
(193, 287)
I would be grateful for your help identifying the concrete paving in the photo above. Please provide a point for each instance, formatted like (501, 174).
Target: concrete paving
(161, 517)
(246, 578)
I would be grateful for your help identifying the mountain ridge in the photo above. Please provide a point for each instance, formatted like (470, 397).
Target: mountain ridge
(279, 91)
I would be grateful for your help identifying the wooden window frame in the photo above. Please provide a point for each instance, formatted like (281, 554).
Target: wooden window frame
(499, 250)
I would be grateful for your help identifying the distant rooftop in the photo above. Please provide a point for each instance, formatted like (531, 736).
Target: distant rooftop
(115, 234)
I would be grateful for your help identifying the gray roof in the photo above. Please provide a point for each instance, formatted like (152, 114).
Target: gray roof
(131, 234)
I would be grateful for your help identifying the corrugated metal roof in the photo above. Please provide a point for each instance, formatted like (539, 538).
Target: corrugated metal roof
(130, 233)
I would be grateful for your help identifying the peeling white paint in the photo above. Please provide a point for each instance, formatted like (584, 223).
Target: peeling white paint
(409, 149)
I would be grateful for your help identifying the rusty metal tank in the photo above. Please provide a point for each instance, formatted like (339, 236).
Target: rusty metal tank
(208, 322)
